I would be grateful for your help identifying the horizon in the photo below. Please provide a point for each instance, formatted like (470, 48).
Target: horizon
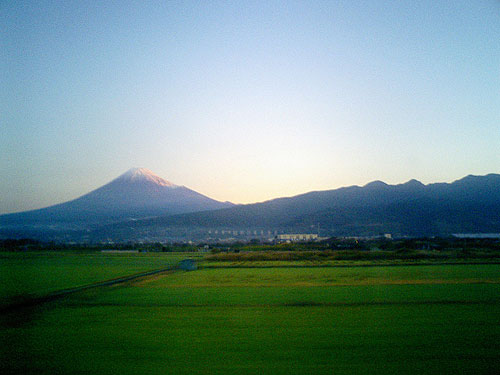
(245, 101)
(174, 184)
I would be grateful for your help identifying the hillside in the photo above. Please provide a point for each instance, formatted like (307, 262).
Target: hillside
(136, 194)
(470, 204)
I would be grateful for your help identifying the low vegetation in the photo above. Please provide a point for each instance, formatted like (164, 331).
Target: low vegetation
(347, 255)
(434, 249)
(33, 274)
(426, 319)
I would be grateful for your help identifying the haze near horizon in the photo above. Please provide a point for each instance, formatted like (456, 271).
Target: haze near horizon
(245, 101)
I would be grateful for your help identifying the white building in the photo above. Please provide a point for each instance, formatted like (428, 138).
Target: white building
(297, 237)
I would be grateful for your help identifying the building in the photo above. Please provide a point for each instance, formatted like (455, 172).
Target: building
(297, 237)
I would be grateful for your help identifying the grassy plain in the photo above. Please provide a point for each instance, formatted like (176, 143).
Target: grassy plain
(33, 274)
(342, 263)
(435, 319)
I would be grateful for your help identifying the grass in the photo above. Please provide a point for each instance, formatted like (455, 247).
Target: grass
(423, 339)
(32, 274)
(343, 263)
(354, 255)
(331, 276)
(363, 320)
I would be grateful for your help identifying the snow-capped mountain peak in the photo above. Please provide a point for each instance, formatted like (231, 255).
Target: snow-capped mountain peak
(138, 193)
(144, 175)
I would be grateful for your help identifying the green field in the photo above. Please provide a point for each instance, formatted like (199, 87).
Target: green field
(439, 319)
(33, 274)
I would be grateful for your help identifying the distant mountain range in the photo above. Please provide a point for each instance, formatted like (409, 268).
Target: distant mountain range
(471, 204)
(136, 194)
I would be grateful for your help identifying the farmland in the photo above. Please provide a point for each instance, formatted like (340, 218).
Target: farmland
(33, 274)
(423, 319)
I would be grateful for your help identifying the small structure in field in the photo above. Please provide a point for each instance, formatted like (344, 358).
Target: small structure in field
(188, 265)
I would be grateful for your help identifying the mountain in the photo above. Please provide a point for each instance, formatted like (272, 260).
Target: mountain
(136, 194)
(140, 206)
(471, 204)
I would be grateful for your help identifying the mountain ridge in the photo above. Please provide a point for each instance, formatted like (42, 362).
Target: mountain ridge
(469, 204)
(137, 193)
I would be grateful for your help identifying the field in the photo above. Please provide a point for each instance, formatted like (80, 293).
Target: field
(435, 319)
(34, 274)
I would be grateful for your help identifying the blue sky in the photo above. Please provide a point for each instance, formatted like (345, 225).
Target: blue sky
(245, 101)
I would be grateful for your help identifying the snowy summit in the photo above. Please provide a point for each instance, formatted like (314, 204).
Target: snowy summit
(142, 175)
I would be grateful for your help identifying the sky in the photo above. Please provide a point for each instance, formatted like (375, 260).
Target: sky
(245, 100)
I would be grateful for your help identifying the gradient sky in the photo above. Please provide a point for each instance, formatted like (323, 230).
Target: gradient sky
(245, 101)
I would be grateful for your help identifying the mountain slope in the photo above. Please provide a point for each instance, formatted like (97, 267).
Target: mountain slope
(471, 204)
(138, 193)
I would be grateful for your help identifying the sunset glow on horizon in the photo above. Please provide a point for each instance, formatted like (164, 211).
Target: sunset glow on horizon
(245, 101)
